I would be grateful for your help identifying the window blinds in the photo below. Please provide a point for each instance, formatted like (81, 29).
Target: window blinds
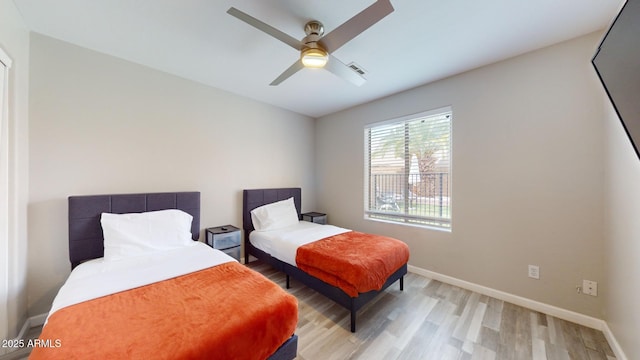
(408, 169)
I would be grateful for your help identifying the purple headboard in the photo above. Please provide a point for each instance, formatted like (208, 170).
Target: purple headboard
(254, 198)
(85, 232)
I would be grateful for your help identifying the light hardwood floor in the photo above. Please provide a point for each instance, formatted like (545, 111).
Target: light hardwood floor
(434, 320)
(428, 320)
(23, 353)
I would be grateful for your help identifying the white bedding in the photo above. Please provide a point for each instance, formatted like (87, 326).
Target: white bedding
(96, 278)
(283, 243)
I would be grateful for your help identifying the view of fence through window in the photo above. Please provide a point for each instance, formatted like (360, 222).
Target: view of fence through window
(408, 169)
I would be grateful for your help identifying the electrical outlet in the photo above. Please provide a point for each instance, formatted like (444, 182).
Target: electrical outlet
(534, 271)
(590, 287)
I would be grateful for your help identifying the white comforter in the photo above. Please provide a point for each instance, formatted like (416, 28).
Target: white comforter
(283, 243)
(96, 278)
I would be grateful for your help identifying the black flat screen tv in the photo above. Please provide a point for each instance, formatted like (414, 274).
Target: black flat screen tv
(617, 63)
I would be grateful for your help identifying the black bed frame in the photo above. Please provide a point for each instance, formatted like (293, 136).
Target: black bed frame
(257, 197)
(86, 241)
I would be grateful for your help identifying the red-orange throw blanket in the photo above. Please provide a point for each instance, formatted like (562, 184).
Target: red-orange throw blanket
(353, 261)
(224, 312)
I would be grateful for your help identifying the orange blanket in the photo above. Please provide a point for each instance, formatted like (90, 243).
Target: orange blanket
(353, 261)
(224, 312)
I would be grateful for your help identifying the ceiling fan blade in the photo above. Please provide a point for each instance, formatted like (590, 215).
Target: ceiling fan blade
(356, 25)
(341, 70)
(297, 66)
(285, 38)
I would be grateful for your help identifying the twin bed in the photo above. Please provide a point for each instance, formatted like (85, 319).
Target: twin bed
(379, 261)
(172, 300)
(142, 286)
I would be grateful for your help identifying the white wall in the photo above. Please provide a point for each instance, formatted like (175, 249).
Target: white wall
(527, 174)
(14, 40)
(103, 125)
(622, 236)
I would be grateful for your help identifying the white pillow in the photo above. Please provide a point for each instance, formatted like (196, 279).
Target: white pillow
(276, 215)
(134, 234)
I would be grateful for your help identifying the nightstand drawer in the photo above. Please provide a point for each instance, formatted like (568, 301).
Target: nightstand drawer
(234, 252)
(223, 237)
(223, 241)
(315, 217)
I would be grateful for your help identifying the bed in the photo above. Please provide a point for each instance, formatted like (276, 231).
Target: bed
(257, 198)
(185, 301)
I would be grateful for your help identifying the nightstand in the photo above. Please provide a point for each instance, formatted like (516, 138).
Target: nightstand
(226, 239)
(315, 217)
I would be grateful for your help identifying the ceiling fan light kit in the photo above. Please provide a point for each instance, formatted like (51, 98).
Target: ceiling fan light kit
(314, 57)
(316, 48)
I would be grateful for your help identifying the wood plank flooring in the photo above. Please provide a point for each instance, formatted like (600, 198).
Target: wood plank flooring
(23, 353)
(434, 320)
(428, 320)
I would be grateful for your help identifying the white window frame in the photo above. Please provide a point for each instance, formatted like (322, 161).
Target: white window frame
(397, 207)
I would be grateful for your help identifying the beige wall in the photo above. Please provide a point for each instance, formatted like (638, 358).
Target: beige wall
(527, 174)
(622, 236)
(99, 125)
(14, 40)
(103, 125)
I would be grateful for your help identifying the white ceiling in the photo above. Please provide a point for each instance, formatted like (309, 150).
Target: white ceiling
(420, 42)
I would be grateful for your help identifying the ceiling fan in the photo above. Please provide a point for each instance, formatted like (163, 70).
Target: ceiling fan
(316, 48)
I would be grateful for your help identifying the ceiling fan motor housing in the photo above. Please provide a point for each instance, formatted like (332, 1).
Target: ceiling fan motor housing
(314, 30)
(314, 27)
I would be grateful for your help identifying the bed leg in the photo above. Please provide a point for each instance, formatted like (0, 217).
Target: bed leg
(402, 283)
(353, 315)
(353, 319)
(288, 281)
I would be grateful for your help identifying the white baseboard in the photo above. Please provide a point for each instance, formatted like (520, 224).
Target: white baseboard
(38, 320)
(555, 311)
(19, 353)
(615, 346)
(33, 321)
(23, 330)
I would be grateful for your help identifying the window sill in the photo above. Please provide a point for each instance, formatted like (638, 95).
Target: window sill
(421, 226)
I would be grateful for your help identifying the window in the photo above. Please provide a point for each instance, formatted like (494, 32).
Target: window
(408, 169)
